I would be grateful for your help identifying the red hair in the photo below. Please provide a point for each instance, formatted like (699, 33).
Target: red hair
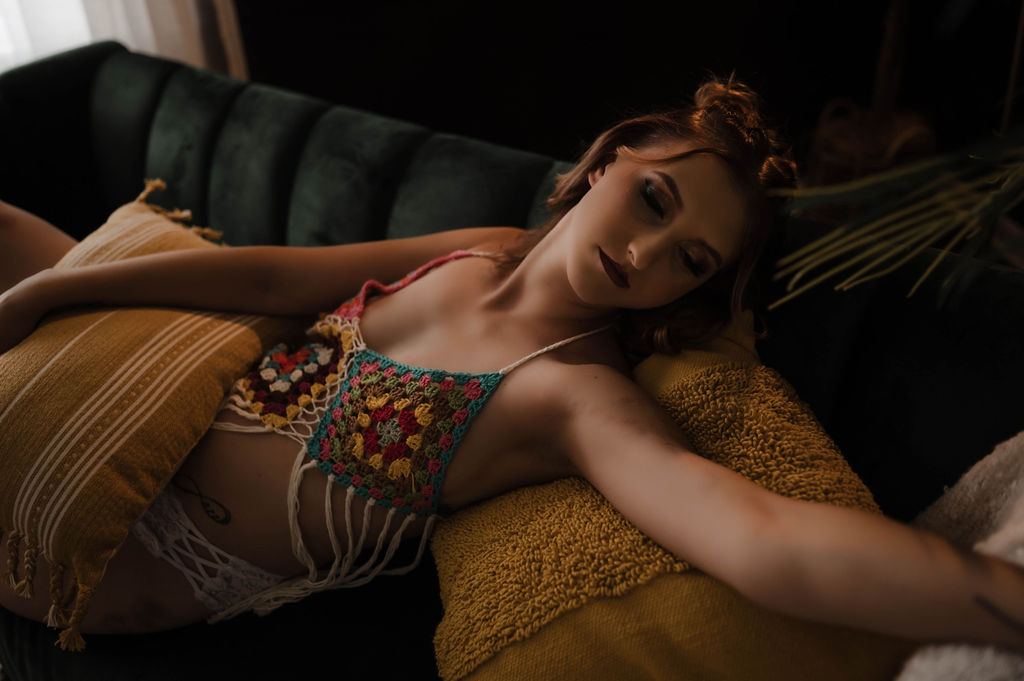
(726, 120)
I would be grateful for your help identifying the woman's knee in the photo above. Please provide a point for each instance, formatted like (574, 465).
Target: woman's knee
(7, 212)
(30, 244)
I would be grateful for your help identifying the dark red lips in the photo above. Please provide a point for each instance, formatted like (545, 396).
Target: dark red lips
(614, 271)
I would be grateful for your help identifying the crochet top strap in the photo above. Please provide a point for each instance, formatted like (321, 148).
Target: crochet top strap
(553, 346)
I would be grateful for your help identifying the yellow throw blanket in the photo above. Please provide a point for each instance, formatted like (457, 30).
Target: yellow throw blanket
(527, 579)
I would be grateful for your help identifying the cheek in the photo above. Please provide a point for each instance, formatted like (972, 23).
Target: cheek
(665, 290)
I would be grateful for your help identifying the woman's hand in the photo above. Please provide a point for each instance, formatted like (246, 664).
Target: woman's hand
(21, 308)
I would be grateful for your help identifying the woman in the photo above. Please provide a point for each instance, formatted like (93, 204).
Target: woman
(654, 236)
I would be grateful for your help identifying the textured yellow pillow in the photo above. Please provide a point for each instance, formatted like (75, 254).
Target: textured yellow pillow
(552, 582)
(98, 408)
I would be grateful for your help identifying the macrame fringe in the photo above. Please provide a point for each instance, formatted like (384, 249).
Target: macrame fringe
(177, 214)
(344, 572)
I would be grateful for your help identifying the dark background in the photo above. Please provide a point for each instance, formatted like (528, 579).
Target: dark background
(549, 76)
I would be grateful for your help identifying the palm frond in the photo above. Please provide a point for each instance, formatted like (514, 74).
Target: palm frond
(950, 202)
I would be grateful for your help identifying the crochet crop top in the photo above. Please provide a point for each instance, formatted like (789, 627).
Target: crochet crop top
(381, 429)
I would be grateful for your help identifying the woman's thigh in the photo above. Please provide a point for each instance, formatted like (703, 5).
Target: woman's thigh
(28, 244)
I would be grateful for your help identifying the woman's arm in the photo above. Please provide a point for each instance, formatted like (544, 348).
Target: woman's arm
(284, 280)
(815, 561)
(279, 280)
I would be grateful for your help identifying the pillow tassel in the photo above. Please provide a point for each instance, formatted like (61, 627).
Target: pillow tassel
(178, 214)
(158, 185)
(71, 638)
(13, 544)
(24, 587)
(154, 185)
(57, 617)
(207, 233)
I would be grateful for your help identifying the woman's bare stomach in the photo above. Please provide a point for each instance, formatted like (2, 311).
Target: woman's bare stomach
(234, 487)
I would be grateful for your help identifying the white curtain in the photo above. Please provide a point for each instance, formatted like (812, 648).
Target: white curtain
(203, 33)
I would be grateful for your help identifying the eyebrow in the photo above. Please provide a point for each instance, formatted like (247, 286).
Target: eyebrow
(671, 184)
(667, 179)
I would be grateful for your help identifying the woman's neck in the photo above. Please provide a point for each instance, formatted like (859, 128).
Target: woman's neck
(537, 291)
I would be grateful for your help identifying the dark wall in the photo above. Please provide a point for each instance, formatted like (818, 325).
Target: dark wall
(548, 76)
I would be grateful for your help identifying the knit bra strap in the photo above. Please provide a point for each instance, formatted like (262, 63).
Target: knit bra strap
(553, 346)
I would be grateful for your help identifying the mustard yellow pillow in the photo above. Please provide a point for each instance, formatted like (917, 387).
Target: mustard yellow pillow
(552, 582)
(99, 407)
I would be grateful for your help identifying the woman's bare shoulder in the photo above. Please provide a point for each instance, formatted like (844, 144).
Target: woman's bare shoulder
(567, 375)
(496, 239)
(604, 379)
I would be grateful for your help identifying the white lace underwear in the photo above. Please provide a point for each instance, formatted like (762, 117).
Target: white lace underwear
(219, 580)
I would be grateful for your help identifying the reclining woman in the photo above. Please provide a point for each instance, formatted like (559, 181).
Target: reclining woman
(654, 236)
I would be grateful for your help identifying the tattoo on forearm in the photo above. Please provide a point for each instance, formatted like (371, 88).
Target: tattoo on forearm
(216, 511)
(1005, 618)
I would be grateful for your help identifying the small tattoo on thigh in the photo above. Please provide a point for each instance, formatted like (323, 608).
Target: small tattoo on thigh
(216, 511)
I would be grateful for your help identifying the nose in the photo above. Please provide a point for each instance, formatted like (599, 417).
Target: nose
(644, 250)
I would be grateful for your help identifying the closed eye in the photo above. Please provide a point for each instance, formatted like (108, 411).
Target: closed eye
(650, 197)
(694, 265)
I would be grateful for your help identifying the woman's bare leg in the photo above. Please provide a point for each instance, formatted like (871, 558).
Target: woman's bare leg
(28, 244)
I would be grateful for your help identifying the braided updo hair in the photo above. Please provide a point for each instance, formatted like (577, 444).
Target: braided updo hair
(726, 119)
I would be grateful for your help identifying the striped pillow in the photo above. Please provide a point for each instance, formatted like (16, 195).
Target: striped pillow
(99, 407)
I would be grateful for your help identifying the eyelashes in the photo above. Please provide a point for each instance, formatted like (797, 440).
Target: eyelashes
(649, 194)
(696, 266)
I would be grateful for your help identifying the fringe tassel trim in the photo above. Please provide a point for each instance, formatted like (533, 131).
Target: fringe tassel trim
(71, 638)
(24, 587)
(57, 618)
(22, 582)
(177, 214)
(343, 573)
(207, 233)
(11, 571)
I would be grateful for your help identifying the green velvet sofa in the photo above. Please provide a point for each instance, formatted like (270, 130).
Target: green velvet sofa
(913, 392)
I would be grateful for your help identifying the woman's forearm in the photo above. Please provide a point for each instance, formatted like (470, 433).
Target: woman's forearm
(856, 569)
(276, 280)
(215, 278)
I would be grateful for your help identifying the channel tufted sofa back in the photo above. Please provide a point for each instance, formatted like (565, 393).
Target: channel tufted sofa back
(264, 165)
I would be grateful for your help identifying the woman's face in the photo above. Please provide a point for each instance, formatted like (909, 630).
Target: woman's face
(649, 231)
